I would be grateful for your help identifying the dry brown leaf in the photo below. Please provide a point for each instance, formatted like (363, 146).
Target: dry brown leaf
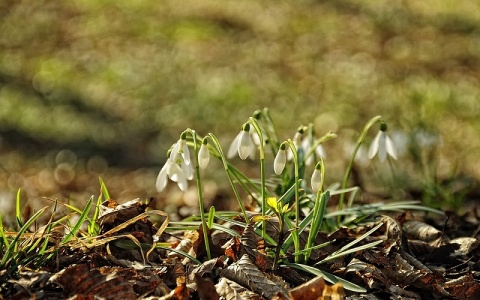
(206, 288)
(416, 230)
(245, 273)
(230, 290)
(318, 289)
(80, 281)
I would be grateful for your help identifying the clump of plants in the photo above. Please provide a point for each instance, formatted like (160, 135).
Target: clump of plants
(289, 235)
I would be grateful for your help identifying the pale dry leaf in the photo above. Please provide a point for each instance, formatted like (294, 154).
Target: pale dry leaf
(245, 273)
(318, 289)
(421, 231)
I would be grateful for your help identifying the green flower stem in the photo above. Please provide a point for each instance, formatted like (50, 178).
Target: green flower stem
(230, 179)
(255, 124)
(296, 232)
(348, 171)
(200, 193)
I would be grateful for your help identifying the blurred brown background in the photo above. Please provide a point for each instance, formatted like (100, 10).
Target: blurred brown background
(103, 88)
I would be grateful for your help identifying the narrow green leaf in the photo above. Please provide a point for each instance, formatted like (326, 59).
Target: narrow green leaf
(14, 244)
(103, 189)
(181, 253)
(2, 233)
(328, 277)
(346, 252)
(79, 223)
(18, 214)
(93, 228)
(211, 217)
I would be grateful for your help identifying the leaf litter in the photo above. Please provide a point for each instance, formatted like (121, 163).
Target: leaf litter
(413, 258)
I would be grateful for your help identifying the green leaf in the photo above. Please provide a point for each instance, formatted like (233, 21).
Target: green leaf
(211, 217)
(12, 248)
(79, 223)
(103, 189)
(328, 277)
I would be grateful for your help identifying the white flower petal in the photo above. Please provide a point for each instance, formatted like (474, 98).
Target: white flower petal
(183, 185)
(306, 145)
(244, 145)
(185, 151)
(233, 149)
(175, 172)
(390, 147)
(316, 180)
(280, 161)
(162, 178)
(203, 156)
(372, 151)
(254, 135)
(320, 151)
(187, 170)
(174, 152)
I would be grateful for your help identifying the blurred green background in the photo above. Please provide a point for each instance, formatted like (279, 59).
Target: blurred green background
(103, 88)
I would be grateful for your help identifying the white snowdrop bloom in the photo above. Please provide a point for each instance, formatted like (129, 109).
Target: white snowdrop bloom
(177, 170)
(316, 180)
(162, 178)
(181, 147)
(243, 144)
(280, 160)
(296, 142)
(203, 156)
(320, 152)
(383, 145)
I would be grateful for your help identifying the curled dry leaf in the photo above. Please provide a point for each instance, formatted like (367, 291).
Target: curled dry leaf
(421, 231)
(318, 289)
(245, 273)
(231, 290)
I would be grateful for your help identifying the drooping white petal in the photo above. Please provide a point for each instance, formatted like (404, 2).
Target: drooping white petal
(203, 156)
(185, 151)
(382, 148)
(182, 184)
(316, 180)
(162, 178)
(175, 172)
(187, 170)
(254, 135)
(306, 145)
(175, 150)
(244, 144)
(372, 151)
(390, 147)
(320, 151)
(280, 161)
(233, 149)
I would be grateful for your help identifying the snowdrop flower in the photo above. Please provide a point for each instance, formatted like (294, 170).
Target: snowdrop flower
(316, 180)
(177, 170)
(203, 154)
(296, 141)
(280, 159)
(382, 144)
(243, 144)
(181, 147)
(307, 145)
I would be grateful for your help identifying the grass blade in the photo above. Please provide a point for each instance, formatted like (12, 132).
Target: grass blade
(328, 277)
(79, 223)
(12, 248)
